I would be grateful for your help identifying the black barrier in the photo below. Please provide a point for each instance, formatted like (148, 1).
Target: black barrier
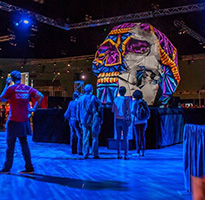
(49, 126)
(165, 126)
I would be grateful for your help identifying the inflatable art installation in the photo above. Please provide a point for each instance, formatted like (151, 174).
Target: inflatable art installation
(137, 56)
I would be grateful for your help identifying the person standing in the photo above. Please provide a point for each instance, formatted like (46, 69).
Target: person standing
(75, 132)
(121, 109)
(18, 124)
(141, 113)
(87, 106)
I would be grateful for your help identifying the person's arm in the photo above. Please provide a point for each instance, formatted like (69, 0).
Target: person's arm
(38, 97)
(8, 81)
(67, 113)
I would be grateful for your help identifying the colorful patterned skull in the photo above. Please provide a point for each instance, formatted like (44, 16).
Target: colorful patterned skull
(137, 56)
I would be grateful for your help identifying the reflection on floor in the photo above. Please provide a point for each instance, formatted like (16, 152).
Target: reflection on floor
(60, 175)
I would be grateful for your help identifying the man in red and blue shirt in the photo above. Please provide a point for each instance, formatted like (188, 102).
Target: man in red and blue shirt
(18, 124)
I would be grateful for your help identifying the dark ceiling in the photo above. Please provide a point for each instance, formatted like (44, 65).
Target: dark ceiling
(53, 42)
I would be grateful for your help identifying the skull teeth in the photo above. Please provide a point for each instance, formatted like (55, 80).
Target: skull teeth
(108, 77)
(107, 80)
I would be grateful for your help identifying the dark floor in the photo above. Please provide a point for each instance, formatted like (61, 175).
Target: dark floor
(60, 175)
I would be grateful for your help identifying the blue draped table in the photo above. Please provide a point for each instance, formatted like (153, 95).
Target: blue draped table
(194, 152)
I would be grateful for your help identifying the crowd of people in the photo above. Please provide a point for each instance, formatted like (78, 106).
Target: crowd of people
(85, 116)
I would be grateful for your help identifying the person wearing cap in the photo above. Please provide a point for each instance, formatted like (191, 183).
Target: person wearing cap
(75, 132)
(18, 124)
(88, 105)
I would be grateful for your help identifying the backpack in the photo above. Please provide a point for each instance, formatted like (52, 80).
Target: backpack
(142, 111)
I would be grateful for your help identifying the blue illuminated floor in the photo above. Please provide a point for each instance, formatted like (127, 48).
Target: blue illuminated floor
(59, 175)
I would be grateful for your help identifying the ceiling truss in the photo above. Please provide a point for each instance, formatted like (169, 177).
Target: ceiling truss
(105, 21)
(189, 31)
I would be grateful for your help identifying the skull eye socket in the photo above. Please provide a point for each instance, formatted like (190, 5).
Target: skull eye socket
(137, 46)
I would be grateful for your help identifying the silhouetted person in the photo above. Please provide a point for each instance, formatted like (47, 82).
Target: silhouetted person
(75, 132)
(141, 114)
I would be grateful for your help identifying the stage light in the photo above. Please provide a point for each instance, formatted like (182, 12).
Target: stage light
(25, 21)
(83, 77)
(58, 73)
(181, 32)
(68, 64)
(68, 71)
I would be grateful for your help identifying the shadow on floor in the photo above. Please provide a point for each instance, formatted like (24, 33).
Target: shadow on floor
(77, 183)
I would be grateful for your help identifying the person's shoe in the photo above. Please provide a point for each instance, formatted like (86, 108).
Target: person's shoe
(142, 153)
(26, 171)
(85, 157)
(96, 157)
(80, 153)
(119, 157)
(4, 171)
(126, 158)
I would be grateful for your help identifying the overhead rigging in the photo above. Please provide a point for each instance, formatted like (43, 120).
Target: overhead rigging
(105, 21)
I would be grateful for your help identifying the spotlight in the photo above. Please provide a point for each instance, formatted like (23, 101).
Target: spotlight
(68, 71)
(21, 66)
(16, 24)
(54, 63)
(13, 44)
(83, 77)
(58, 73)
(181, 32)
(68, 64)
(25, 21)
(81, 71)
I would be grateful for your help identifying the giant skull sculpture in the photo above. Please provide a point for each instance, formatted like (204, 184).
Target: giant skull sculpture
(137, 56)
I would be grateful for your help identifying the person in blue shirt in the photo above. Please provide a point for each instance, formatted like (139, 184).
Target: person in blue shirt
(75, 131)
(88, 105)
(121, 109)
